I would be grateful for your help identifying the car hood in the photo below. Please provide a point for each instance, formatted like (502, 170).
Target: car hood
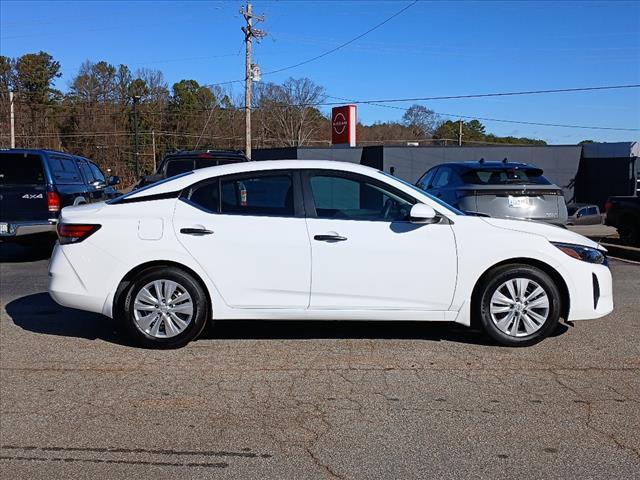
(550, 232)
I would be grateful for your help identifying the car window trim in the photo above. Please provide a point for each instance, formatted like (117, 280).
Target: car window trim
(309, 202)
(298, 204)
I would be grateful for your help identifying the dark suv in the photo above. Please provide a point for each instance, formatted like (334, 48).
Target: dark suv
(185, 161)
(36, 184)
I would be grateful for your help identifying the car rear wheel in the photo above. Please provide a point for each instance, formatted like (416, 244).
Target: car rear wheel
(519, 305)
(164, 307)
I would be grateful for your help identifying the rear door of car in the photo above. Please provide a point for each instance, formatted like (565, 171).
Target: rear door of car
(23, 188)
(248, 232)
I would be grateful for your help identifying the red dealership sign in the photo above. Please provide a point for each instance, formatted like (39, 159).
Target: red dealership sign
(343, 125)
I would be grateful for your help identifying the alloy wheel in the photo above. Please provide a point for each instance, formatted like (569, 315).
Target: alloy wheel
(519, 307)
(163, 309)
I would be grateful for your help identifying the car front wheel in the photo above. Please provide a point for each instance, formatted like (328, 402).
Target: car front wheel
(164, 307)
(519, 305)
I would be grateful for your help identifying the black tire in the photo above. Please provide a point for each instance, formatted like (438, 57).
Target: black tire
(494, 280)
(125, 307)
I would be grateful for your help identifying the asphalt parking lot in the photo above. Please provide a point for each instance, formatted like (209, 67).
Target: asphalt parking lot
(313, 400)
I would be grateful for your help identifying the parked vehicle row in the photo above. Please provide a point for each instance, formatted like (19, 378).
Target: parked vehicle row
(36, 184)
(317, 240)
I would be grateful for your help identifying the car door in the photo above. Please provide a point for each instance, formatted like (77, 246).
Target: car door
(99, 183)
(249, 234)
(91, 193)
(365, 252)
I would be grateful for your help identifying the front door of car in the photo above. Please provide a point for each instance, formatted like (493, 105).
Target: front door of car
(249, 234)
(366, 254)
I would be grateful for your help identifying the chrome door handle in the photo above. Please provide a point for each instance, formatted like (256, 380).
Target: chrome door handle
(329, 238)
(196, 231)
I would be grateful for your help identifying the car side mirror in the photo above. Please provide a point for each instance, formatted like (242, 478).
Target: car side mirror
(113, 180)
(421, 213)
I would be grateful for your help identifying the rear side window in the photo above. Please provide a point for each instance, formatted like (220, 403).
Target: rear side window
(176, 167)
(257, 195)
(21, 169)
(592, 211)
(64, 170)
(206, 196)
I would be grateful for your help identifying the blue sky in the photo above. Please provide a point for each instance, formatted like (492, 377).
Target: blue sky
(432, 49)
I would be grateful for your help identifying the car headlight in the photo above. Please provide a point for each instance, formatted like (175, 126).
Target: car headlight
(580, 252)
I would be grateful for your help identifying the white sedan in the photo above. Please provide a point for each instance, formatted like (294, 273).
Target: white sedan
(317, 240)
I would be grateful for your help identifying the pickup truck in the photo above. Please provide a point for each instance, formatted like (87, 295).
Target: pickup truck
(623, 213)
(185, 161)
(36, 184)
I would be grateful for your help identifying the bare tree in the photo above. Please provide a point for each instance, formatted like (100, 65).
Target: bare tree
(288, 113)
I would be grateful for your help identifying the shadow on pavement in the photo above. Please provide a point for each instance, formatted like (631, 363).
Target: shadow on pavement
(39, 313)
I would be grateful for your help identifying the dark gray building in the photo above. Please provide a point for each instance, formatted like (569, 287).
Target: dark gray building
(586, 173)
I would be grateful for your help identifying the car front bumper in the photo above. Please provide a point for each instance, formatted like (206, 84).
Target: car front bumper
(592, 295)
(10, 230)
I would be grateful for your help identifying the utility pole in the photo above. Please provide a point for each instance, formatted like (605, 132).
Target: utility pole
(136, 99)
(153, 142)
(249, 34)
(13, 121)
(460, 133)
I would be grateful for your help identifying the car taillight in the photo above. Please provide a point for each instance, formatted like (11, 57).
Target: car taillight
(607, 206)
(75, 232)
(53, 202)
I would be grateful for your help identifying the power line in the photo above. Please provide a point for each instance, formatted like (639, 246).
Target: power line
(520, 122)
(328, 52)
(485, 95)
(349, 42)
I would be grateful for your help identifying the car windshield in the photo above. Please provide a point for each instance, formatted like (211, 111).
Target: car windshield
(504, 176)
(422, 192)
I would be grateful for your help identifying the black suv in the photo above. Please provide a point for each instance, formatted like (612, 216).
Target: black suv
(185, 161)
(36, 184)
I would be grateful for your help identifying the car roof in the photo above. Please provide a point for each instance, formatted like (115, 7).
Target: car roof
(181, 181)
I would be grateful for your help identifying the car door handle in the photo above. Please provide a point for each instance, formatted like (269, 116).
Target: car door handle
(329, 238)
(196, 231)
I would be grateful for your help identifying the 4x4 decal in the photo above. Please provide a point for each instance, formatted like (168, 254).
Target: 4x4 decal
(31, 196)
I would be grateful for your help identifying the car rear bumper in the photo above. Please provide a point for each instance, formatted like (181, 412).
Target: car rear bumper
(67, 288)
(23, 228)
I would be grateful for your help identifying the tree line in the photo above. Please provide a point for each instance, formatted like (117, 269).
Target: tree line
(96, 116)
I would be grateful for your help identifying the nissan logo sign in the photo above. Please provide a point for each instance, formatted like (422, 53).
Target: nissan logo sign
(339, 123)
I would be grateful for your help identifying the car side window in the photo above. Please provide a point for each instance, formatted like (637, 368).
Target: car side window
(97, 174)
(425, 182)
(593, 211)
(206, 196)
(356, 198)
(64, 170)
(257, 194)
(442, 178)
(86, 171)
